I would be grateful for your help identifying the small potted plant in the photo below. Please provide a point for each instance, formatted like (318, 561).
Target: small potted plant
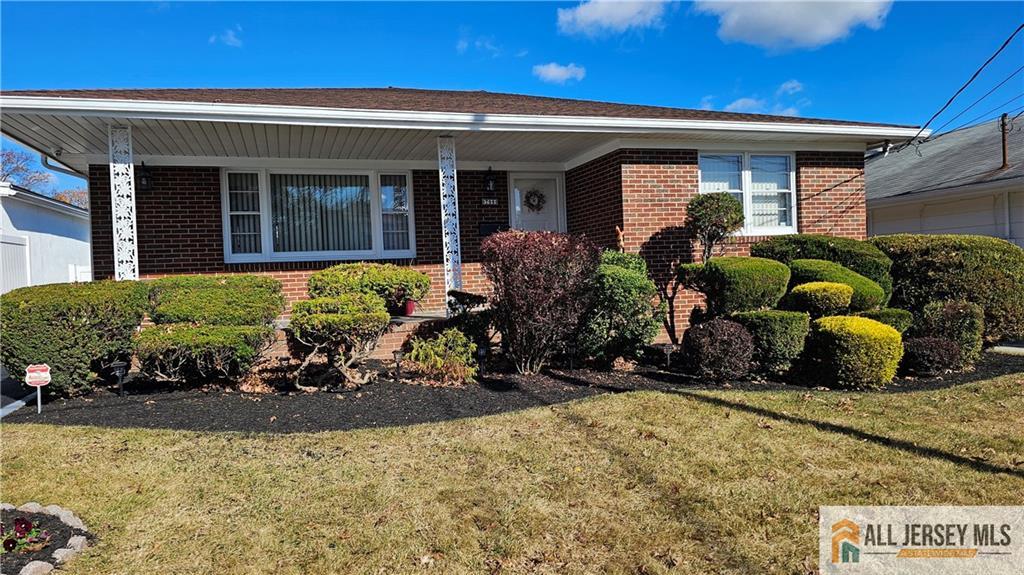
(414, 287)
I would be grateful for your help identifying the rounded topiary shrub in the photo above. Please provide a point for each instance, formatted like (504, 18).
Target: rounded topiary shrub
(216, 300)
(979, 269)
(958, 321)
(623, 319)
(77, 329)
(394, 284)
(851, 352)
(195, 353)
(710, 218)
(859, 256)
(867, 294)
(820, 298)
(719, 350)
(778, 336)
(930, 356)
(735, 284)
(898, 319)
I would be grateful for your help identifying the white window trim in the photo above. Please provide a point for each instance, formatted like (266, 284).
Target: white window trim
(377, 252)
(747, 192)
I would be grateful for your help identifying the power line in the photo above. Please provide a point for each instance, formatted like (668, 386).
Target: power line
(964, 87)
(966, 125)
(975, 103)
(980, 116)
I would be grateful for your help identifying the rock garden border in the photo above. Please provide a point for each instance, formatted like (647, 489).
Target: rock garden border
(78, 540)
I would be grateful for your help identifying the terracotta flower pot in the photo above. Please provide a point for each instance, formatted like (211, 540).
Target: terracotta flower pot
(409, 307)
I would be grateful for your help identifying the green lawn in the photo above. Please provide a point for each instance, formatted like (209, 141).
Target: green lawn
(643, 482)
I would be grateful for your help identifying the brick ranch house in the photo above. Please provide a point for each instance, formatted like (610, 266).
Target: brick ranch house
(285, 182)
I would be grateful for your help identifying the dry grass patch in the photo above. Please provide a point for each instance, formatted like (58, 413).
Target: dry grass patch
(692, 482)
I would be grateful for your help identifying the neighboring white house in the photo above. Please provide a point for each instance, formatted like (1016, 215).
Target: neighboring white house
(42, 240)
(957, 183)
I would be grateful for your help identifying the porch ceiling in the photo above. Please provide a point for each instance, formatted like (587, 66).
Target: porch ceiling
(78, 140)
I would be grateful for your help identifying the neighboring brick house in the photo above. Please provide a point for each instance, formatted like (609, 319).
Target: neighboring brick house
(285, 182)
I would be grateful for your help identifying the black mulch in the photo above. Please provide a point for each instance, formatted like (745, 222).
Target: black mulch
(59, 531)
(389, 403)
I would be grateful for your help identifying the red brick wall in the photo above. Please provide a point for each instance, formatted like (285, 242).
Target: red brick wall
(593, 199)
(180, 229)
(655, 186)
(830, 194)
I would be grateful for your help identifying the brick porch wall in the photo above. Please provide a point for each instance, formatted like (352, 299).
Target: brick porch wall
(180, 229)
(655, 185)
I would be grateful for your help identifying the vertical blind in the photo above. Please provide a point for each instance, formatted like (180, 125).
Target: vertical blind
(394, 203)
(328, 212)
(722, 173)
(244, 212)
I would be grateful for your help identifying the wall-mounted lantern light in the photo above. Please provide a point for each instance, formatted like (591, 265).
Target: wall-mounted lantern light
(490, 182)
(143, 179)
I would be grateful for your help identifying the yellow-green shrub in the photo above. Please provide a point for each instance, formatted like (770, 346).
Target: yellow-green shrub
(820, 298)
(394, 284)
(852, 352)
(445, 359)
(866, 293)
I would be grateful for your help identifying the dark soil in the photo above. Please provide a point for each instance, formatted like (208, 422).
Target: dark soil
(389, 403)
(60, 533)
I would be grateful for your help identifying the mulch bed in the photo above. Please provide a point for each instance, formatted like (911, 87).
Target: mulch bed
(60, 533)
(389, 403)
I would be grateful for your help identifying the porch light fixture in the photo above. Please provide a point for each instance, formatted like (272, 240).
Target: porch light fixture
(143, 179)
(490, 181)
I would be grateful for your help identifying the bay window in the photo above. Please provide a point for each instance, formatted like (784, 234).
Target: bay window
(765, 184)
(297, 215)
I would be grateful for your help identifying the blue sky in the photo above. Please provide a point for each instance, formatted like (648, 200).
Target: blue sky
(871, 61)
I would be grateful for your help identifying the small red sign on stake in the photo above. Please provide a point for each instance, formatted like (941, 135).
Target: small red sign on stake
(37, 375)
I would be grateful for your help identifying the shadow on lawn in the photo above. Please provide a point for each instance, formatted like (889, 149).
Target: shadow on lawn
(882, 440)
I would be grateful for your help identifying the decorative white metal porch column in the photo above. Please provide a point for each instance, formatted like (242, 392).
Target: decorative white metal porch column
(122, 203)
(449, 213)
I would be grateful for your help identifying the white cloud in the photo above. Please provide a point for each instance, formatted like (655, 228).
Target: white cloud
(746, 105)
(229, 37)
(485, 45)
(789, 87)
(780, 110)
(596, 17)
(706, 102)
(462, 45)
(793, 24)
(556, 73)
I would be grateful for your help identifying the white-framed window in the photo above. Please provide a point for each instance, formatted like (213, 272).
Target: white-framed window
(310, 215)
(765, 183)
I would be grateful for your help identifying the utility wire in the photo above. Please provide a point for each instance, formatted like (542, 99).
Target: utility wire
(968, 124)
(980, 116)
(975, 103)
(964, 87)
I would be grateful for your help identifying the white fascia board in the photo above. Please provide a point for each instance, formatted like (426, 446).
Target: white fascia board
(43, 202)
(454, 121)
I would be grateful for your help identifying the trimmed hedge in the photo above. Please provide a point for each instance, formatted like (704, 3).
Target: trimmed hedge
(624, 260)
(624, 319)
(820, 298)
(958, 321)
(735, 284)
(77, 329)
(867, 294)
(930, 356)
(778, 336)
(244, 303)
(228, 281)
(187, 352)
(344, 329)
(394, 284)
(852, 352)
(720, 350)
(898, 319)
(983, 270)
(445, 359)
(859, 256)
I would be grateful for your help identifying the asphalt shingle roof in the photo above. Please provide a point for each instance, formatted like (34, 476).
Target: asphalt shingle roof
(965, 157)
(407, 99)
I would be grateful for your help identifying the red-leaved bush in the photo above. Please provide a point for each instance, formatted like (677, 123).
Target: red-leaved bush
(543, 286)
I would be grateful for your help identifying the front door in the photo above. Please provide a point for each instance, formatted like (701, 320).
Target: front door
(537, 202)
